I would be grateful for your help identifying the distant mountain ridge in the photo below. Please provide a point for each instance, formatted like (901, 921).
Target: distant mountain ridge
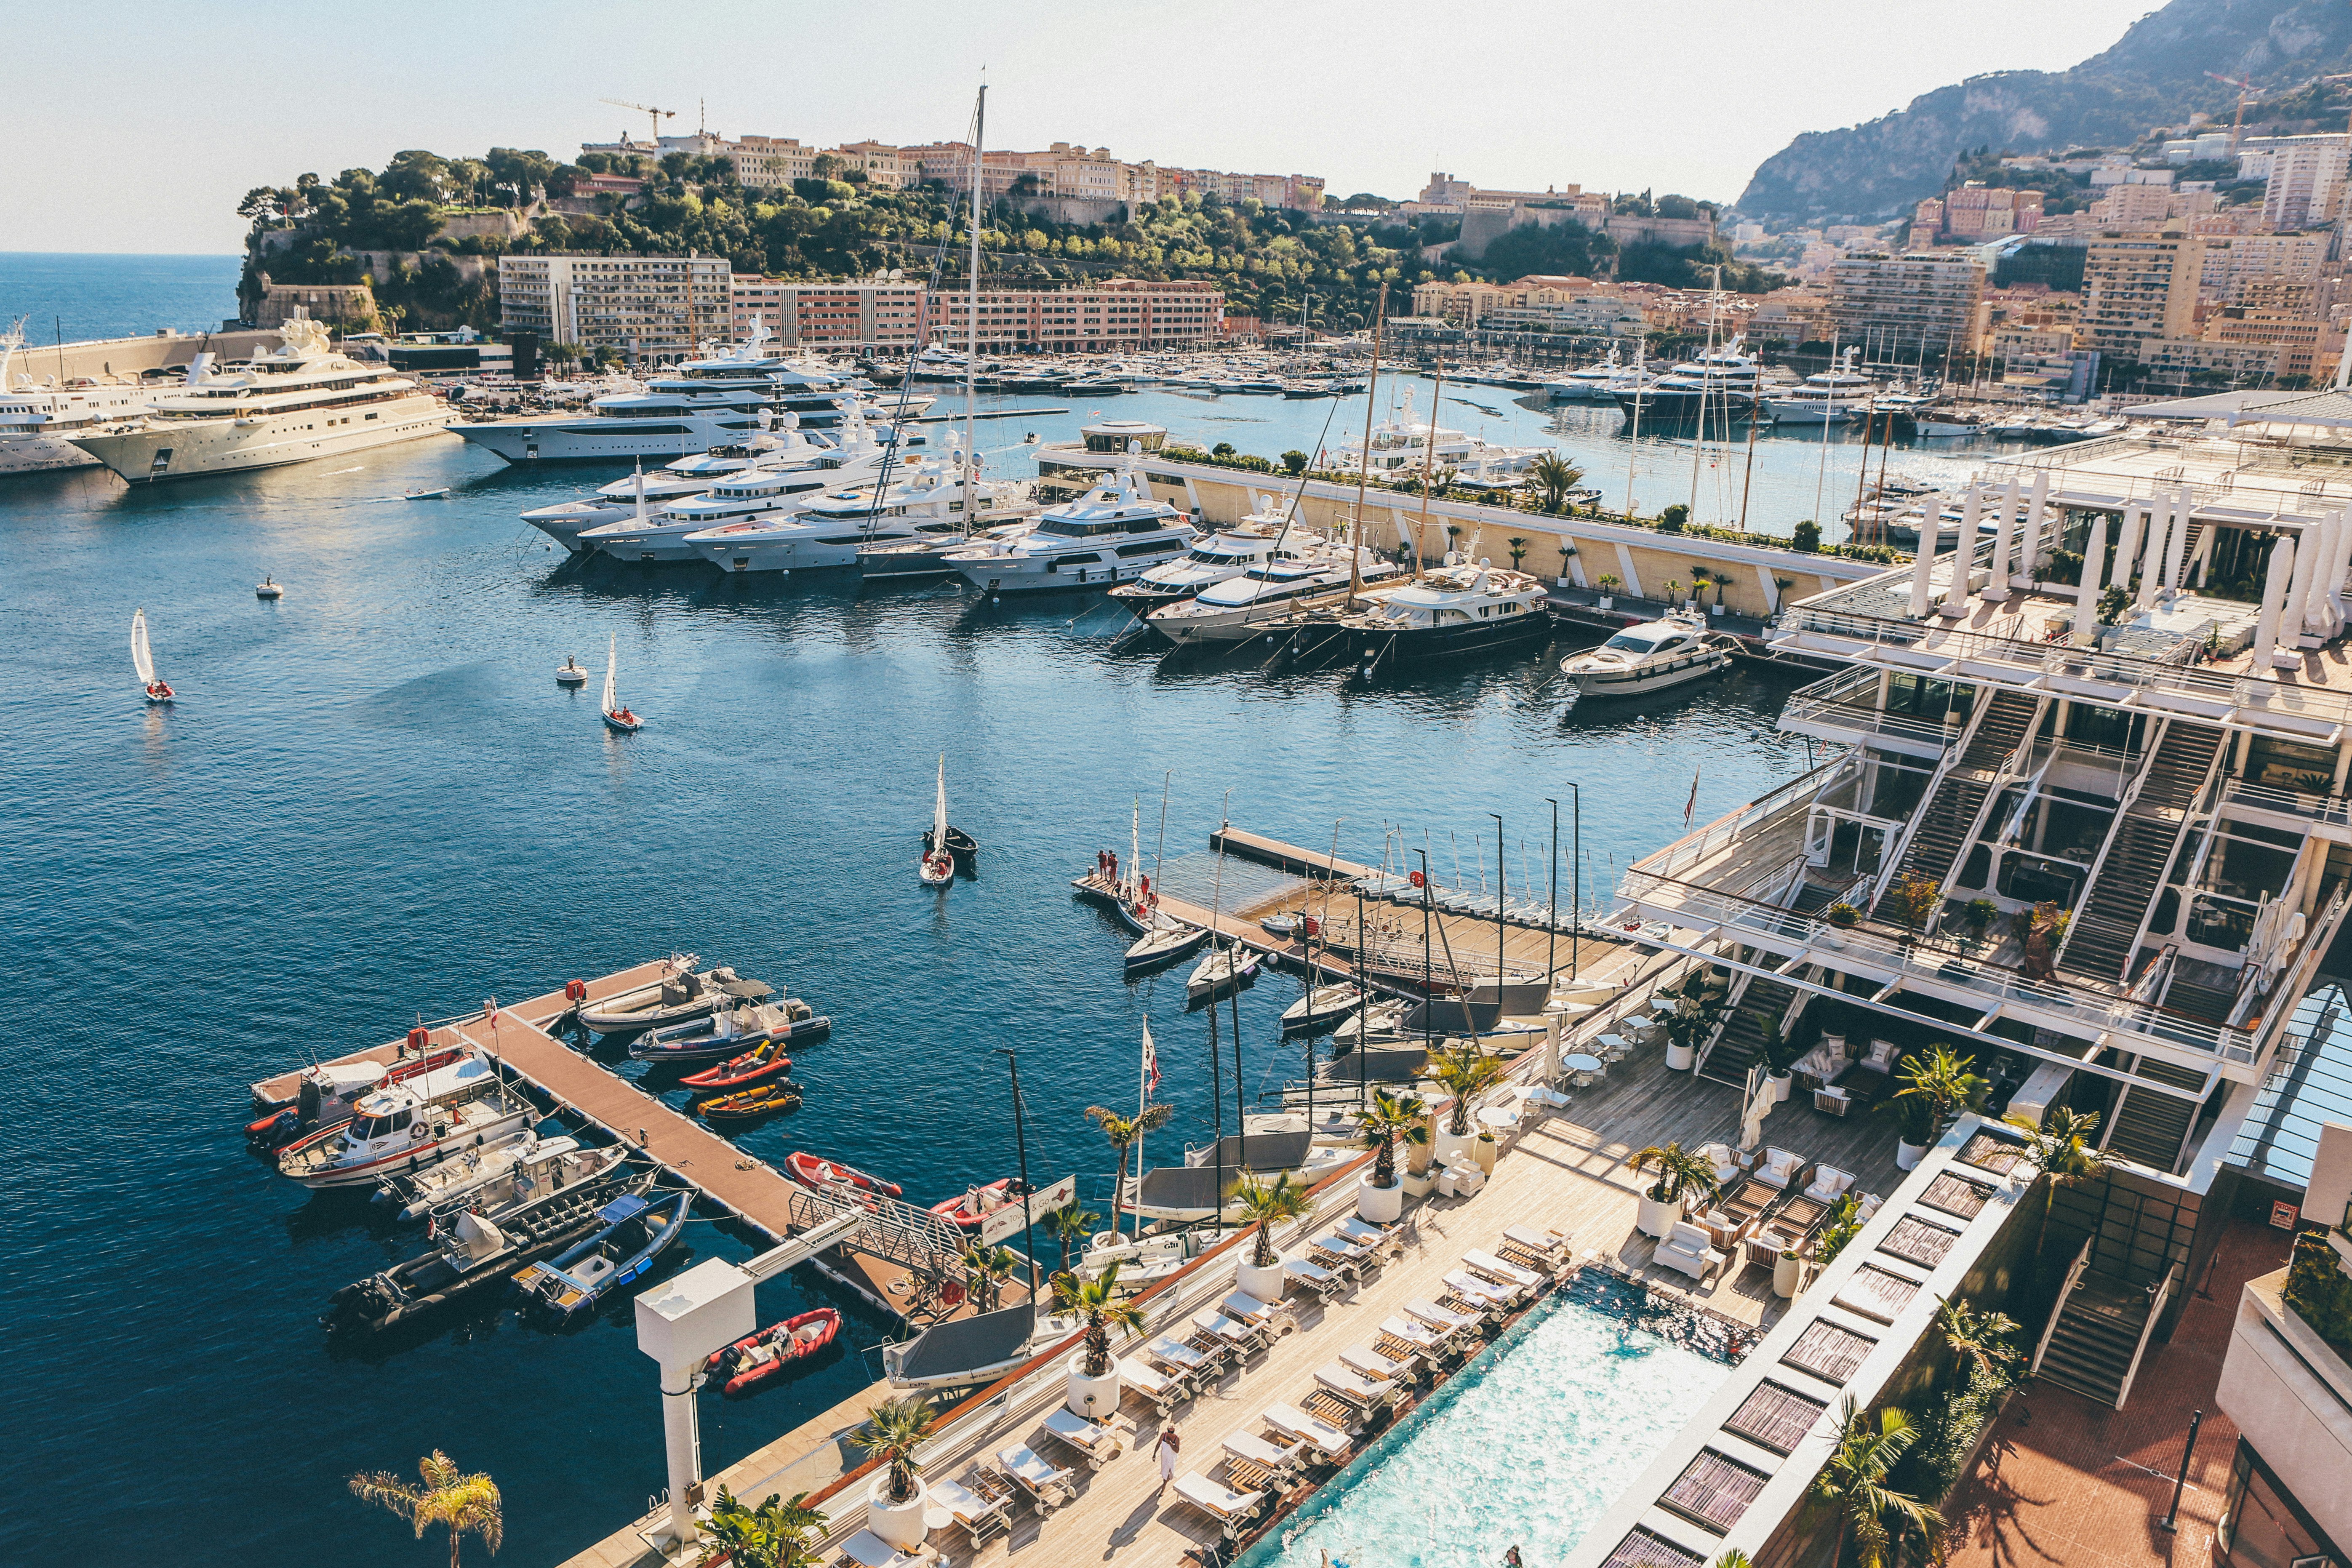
(2154, 73)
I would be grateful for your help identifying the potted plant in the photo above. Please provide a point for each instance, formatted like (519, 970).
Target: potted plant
(1608, 583)
(1979, 913)
(1484, 1151)
(1779, 1054)
(1094, 1382)
(1843, 916)
(1788, 1273)
(1389, 1120)
(1517, 545)
(776, 1534)
(895, 1502)
(1913, 900)
(1267, 1204)
(1681, 1175)
(1567, 552)
(1464, 1071)
(1673, 589)
(1936, 1089)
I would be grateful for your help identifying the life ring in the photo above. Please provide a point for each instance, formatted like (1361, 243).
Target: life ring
(575, 991)
(420, 1040)
(419, 1131)
(1416, 879)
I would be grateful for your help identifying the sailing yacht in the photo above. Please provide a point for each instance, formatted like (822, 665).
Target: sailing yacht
(300, 402)
(1114, 534)
(937, 867)
(1226, 553)
(1241, 606)
(616, 718)
(37, 422)
(142, 661)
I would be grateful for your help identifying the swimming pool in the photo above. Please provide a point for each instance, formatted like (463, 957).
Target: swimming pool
(1526, 1448)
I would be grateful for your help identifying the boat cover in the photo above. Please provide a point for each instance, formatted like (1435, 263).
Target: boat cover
(1379, 1064)
(1268, 1151)
(976, 1345)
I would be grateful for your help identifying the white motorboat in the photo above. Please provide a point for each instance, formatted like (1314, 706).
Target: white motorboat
(37, 421)
(143, 662)
(1112, 534)
(826, 531)
(1592, 383)
(544, 1166)
(1226, 553)
(464, 1173)
(1322, 1004)
(1244, 606)
(1458, 609)
(1405, 446)
(268, 588)
(404, 1127)
(1832, 397)
(680, 481)
(1142, 1260)
(1651, 656)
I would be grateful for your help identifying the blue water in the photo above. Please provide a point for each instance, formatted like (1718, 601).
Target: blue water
(1526, 1448)
(115, 295)
(372, 802)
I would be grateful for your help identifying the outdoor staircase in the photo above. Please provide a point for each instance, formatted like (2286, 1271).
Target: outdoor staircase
(2149, 1128)
(2105, 930)
(1949, 818)
(2097, 1334)
(2211, 1003)
(1734, 1051)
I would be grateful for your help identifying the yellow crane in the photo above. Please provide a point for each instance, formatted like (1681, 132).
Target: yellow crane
(2243, 87)
(657, 115)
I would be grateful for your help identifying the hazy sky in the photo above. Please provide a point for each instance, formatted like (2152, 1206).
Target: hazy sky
(137, 126)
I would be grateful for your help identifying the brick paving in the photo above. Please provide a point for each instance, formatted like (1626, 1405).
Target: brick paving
(2065, 1480)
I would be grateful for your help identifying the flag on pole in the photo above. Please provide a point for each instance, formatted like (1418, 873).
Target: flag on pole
(1150, 1061)
(1691, 805)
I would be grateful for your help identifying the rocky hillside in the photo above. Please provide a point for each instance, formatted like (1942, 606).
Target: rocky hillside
(2154, 74)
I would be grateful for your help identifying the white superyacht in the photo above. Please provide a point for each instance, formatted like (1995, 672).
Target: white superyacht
(37, 421)
(1114, 534)
(624, 498)
(1225, 553)
(828, 531)
(304, 401)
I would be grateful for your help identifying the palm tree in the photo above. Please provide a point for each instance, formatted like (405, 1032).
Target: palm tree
(1097, 1300)
(1853, 1481)
(1070, 1225)
(1681, 1173)
(985, 1272)
(1553, 477)
(1268, 1207)
(1985, 1341)
(893, 1432)
(462, 1504)
(1122, 1131)
(1945, 1082)
(773, 1535)
(1389, 1118)
(2059, 1147)
(1517, 545)
(1464, 1071)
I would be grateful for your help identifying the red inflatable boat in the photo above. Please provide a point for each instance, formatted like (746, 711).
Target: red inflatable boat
(755, 1066)
(755, 1358)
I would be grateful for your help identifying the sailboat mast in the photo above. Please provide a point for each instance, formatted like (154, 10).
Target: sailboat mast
(1633, 436)
(1364, 464)
(1428, 460)
(1698, 448)
(1159, 851)
(971, 316)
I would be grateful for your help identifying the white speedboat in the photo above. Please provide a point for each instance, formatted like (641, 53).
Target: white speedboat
(464, 1173)
(1142, 1260)
(404, 1127)
(1649, 657)
(1224, 555)
(1242, 607)
(1112, 534)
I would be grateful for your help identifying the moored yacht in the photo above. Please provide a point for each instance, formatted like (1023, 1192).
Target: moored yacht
(37, 422)
(302, 401)
(1649, 657)
(1832, 397)
(1407, 446)
(828, 530)
(1720, 383)
(1459, 609)
(1241, 606)
(1114, 534)
(748, 497)
(1224, 555)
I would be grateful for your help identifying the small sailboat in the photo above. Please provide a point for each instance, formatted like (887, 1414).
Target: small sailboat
(937, 867)
(1225, 968)
(570, 674)
(1164, 946)
(268, 588)
(1322, 1006)
(617, 718)
(142, 660)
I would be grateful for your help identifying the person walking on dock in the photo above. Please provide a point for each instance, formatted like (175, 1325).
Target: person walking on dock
(1165, 1452)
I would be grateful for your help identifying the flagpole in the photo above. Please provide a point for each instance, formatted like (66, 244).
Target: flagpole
(1142, 1096)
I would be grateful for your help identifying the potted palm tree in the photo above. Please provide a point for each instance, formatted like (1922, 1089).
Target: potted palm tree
(1935, 1090)
(1853, 1482)
(1779, 1055)
(1683, 1174)
(1389, 1120)
(776, 1534)
(2061, 1147)
(1567, 554)
(1266, 1205)
(894, 1501)
(1094, 1384)
(1464, 1071)
(1608, 583)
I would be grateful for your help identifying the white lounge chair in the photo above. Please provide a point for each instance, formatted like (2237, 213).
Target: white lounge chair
(1138, 1376)
(1686, 1247)
(1354, 1386)
(1340, 1256)
(1046, 1486)
(1440, 1318)
(1246, 1338)
(1386, 1238)
(1275, 1458)
(1778, 1167)
(1470, 1287)
(1723, 1159)
(1368, 1360)
(869, 1550)
(1098, 1444)
(1551, 1244)
(1329, 1443)
(1321, 1280)
(1233, 1510)
(980, 1517)
(1829, 1183)
(1413, 1332)
(1485, 1262)
(1248, 1309)
(1181, 1357)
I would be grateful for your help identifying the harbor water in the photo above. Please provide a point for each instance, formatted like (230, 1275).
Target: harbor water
(372, 802)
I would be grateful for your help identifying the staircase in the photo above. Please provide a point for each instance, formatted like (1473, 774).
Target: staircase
(2105, 930)
(1950, 815)
(2148, 1128)
(1734, 1051)
(2097, 1334)
(2211, 1003)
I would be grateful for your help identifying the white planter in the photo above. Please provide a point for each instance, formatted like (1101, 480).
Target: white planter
(1908, 1155)
(1381, 1205)
(1781, 1082)
(1787, 1272)
(1452, 1148)
(1566, 584)
(901, 1525)
(1417, 1184)
(1716, 609)
(1266, 1284)
(1607, 603)
(1681, 1059)
(1093, 1398)
(1657, 1218)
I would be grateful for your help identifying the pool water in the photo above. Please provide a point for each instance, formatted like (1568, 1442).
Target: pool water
(1526, 1448)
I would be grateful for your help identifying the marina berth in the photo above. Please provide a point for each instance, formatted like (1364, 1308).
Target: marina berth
(639, 1228)
(641, 494)
(1114, 534)
(1653, 655)
(401, 1128)
(327, 1094)
(301, 401)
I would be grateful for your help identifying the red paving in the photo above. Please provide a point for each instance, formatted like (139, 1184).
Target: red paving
(2065, 1480)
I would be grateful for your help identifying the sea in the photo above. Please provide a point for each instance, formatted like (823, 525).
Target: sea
(371, 804)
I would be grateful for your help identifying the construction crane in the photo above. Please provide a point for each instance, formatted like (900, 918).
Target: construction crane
(658, 115)
(2243, 87)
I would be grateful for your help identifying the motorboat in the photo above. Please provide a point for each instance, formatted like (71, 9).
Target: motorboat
(753, 1104)
(935, 866)
(1001, 511)
(1164, 945)
(1323, 1006)
(1371, 1021)
(268, 588)
(568, 673)
(763, 1061)
(1112, 534)
(1402, 448)
(1651, 656)
(639, 1228)
(731, 1031)
(407, 1126)
(831, 1176)
(153, 686)
(471, 1254)
(1142, 1259)
(1226, 553)
(1832, 397)
(327, 1094)
(465, 1172)
(679, 994)
(642, 494)
(1271, 594)
(1459, 608)
(1594, 382)
(758, 1357)
(1226, 969)
(748, 505)
(550, 1165)
(969, 1208)
(617, 718)
(872, 507)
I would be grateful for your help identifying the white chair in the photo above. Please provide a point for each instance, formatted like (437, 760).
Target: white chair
(1470, 1287)
(869, 1550)
(1357, 1389)
(1832, 1101)
(1245, 1308)
(1422, 1336)
(1778, 1167)
(1098, 1444)
(1612, 1047)
(1330, 1443)
(1178, 1356)
(1273, 1459)
(1443, 1319)
(1246, 1338)
(1233, 1510)
(1388, 1238)
(1870, 1204)
(1687, 1249)
(1321, 1280)
(1723, 1159)
(1494, 1267)
(1139, 1377)
(1461, 1181)
(1047, 1486)
(980, 1517)
(1551, 1244)
(1368, 1360)
(1880, 1058)
(1829, 1183)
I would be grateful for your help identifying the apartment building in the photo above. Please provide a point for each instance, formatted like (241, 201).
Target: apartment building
(2232, 263)
(1977, 212)
(653, 308)
(2301, 342)
(1908, 302)
(865, 314)
(1536, 303)
(1791, 316)
(1117, 314)
(2138, 288)
(2133, 207)
(772, 161)
(2305, 183)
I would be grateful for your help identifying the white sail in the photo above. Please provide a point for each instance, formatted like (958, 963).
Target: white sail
(940, 811)
(612, 665)
(142, 660)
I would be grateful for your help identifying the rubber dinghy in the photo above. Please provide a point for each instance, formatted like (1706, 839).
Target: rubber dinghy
(756, 1358)
(638, 1228)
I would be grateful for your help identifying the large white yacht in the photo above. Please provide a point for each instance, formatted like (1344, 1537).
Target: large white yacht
(1457, 609)
(1720, 385)
(39, 420)
(1243, 607)
(828, 531)
(1402, 446)
(300, 402)
(1651, 656)
(688, 477)
(1832, 397)
(1598, 382)
(755, 495)
(1228, 553)
(1112, 534)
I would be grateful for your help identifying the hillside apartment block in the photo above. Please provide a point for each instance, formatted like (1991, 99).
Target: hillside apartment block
(651, 307)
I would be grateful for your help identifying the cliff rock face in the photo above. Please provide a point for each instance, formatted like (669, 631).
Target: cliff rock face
(2154, 73)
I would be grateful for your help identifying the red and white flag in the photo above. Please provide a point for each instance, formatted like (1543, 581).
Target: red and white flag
(1150, 1061)
(1691, 805)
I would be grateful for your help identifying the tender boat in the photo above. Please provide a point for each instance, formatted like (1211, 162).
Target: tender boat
(466, 1172)
(974, 1205)
(268, 588)
(1142, 1260)
(617, 718)
(638, 1228)
(1322, 1006)
(568, 673)
(556, 1165)
(1287, 924)
(753, 1104)
(730, 1033)
(142, 660)
(1649, 657)
(428, 495)
(678, 995)
(755, 1358)
(1226, 969)
(821, 1175)
(764, 1061)
(1165, 945)
(407, 1126)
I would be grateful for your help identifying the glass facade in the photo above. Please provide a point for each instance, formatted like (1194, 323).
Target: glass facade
(2263, 1527)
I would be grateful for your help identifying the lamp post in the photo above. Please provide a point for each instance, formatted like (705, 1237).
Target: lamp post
(1502, 900)
(1021, 1150)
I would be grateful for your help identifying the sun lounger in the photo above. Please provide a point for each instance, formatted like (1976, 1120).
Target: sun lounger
(1510, 1273)
(1341, 1256)
(869, 1550)
(1100, 1444)
(1321, 1280)
(1230, 1509)
(980, 1517)
(1422, 1337)
(1243, 1339)
(1469, 1287)
(1353, 1386)
(1373, 1363)
(1271, 1459)
(1139, 1377)
(1047, 1486)
(1383, 1238)
(1248, 1309)
(1551, 1243)
(1333, 1411)
(1329, 1443)
(1181, 1357)
(1440, 1318)
(1406, 1353)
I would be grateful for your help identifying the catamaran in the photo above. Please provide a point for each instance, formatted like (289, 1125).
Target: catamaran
(142, 660)
(937, 867)
(616, 718)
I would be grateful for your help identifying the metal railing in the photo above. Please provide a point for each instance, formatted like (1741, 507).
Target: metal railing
(2155, 1311)
(1831, 704)
(2327, 808)
(1767, 810)
(2058, 1307)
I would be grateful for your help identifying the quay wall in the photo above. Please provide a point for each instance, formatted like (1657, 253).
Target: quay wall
(130, 356)
(1642, 560)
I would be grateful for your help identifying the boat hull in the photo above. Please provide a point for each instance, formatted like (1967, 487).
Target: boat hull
(1416, 644)
(1638, 682)
(191, 448)
(575, 441)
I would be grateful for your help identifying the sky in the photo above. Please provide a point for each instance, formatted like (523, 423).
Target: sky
(137, 126)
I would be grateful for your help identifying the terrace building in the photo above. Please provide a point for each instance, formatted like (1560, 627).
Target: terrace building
(653, 308)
